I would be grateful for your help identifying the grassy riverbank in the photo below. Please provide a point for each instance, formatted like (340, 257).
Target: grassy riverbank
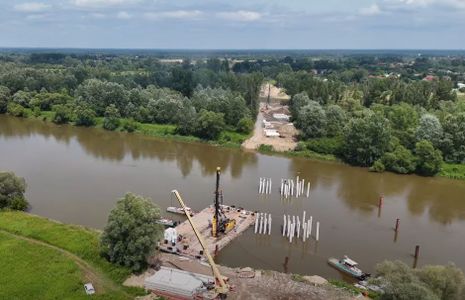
(233, 139)
(451, 171)
(227, 138)
(51, 260)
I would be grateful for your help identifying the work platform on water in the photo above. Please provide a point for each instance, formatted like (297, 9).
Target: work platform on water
(186, 243)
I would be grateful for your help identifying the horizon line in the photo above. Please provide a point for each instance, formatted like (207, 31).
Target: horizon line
(235, 49)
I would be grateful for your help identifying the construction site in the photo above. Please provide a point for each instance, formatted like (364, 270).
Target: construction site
(273, 126)
(186, 243)
(184, 268)
(197, 238)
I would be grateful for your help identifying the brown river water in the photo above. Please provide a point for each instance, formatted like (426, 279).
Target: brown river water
(75, 175)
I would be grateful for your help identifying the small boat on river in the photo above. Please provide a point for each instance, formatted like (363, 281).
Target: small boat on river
(179, 210)
(348, 266)
(166, 222)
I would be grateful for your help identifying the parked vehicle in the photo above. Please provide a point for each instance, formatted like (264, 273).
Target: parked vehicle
(89, 288)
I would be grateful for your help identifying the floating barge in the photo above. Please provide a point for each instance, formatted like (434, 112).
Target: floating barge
(187, 243)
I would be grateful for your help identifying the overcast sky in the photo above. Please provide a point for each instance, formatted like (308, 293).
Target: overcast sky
(237, 24)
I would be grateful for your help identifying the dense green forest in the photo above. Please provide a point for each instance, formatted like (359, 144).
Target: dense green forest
(401, 113)
(388, 122)
(201, 99)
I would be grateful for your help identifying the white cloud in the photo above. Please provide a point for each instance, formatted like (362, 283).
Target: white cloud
(123, 15)
(31, 7)
(371, 10)
(175, 14)
(240, 15)
(101, 3)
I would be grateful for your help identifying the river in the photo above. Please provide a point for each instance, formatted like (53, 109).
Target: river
(76, 175)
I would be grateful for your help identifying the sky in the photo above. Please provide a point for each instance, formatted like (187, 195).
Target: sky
(234, 24)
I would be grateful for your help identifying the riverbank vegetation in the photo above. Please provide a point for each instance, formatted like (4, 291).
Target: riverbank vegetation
(12, 189)
(203, 101)
(131, 234)
(51, 260)
(389, 112)
(399, 281)
(396, 122)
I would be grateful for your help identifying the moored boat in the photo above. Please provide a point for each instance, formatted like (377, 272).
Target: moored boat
(348, 266)
(179, 210)
(166, 222)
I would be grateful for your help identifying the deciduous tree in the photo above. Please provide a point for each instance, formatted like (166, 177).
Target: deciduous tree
(12, 189)
(131, 233)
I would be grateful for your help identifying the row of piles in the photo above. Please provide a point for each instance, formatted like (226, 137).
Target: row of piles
(289, 188)
(264, 186)
(263, 223)
(292, 228)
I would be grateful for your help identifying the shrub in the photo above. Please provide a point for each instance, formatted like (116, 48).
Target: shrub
(12, 190)
(63, 114)
(16, 110)
(265, 148)
(36, 111)
(4, 98)
(85, 116)
(245, 125)
(430, 282)
(401, 160)
(378, 167)
(429, 159)
(130, 125)
(326, 145)
(209, 124)
(112, 118)
(301, 146)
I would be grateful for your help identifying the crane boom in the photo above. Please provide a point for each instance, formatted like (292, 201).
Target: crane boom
(222, 289)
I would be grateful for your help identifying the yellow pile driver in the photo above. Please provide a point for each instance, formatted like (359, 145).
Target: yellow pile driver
(220, 223)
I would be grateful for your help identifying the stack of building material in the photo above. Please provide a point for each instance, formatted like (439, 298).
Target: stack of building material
(271, 133)
(177, 283)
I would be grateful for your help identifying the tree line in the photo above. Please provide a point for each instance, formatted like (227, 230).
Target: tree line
(386, 124)
(201, 99)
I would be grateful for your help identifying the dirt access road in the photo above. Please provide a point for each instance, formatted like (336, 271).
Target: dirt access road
(287, 131)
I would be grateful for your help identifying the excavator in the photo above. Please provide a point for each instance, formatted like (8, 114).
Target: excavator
(220, 223)
(221, 289)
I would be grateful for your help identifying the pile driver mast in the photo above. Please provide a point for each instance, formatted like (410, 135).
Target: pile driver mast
(220, 223)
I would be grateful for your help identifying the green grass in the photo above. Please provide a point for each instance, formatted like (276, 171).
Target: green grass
(267, 149)
(352, 289)
(232, 139)
(78, 240)
(313, 155)
(454, 171)
(31, 271)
